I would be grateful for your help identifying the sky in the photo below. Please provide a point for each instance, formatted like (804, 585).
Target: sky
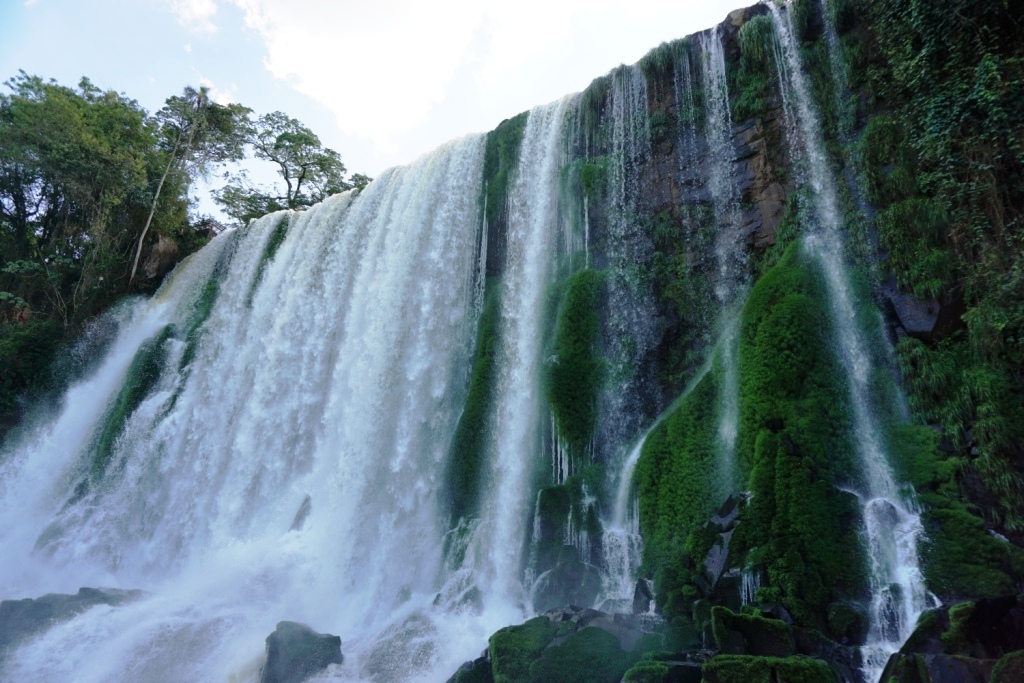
(380, 82)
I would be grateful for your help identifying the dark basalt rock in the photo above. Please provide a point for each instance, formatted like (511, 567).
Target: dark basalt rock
(21, 619)
(295, 652)
(570, 581)
(962, 643)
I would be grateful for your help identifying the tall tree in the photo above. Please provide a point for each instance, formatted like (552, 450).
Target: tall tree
(198, 134)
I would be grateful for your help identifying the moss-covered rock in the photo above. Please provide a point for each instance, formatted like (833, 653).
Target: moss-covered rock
(744, 634)
(748, 669)
(514, 648)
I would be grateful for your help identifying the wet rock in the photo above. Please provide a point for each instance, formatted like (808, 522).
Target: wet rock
(21, 619)
(476, 671)
(844, 660)
(928, 319)
(163, 255)
(960, 643)
(919, 668)
(571, 581)
(295, 652)
(642, 597)
(743, 634)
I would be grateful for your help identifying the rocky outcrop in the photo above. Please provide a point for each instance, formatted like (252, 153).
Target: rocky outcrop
(295, 652)
(162, 256)
(970, 642)
(22, 619)
(567, 644)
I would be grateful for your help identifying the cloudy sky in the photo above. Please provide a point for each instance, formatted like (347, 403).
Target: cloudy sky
(381, 82)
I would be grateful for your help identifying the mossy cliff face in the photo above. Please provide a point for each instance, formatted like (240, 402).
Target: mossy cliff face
(920, 109)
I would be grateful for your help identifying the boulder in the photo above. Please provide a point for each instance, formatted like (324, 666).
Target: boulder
(962, 643)
(163, 255)
(745, 634)
(571, 581)
(21, 619)
(295, 652)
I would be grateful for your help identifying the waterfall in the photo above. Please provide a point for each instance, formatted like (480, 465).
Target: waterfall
(630, 333)
(898, 593)
(729, 251)
(532, 215)
(322, 375)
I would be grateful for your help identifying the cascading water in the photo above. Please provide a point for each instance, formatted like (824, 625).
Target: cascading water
(532, 217)
(898, 593)
(631, 321)
(332, 371)
(729, 252)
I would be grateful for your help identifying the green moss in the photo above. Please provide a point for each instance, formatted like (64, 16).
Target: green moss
(574, 375)
(593, 177)
(501, 157)
(1009, 668)
(751, 634)
(647, 672)
(141, 378)
(469, 442)
(676, 482)
(746, 669)
(590, 655)
(274, 242)
(795, 446)
(514, 648)
(201, 310)
(956, 639)
(479, 672)
(961, 559)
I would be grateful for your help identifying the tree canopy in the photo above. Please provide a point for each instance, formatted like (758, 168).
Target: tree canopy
(310, 171)
(91, 183)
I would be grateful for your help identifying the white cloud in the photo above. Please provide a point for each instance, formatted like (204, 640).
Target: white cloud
(29, 3)
(378, 70)
(187, 47)
(196, 15)
(403, 76)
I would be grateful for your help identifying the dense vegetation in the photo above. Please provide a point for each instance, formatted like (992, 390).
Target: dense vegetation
(94, 204)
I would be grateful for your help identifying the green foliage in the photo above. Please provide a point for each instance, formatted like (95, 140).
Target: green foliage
(659, 63)
(574, 375)
(26, 352)
(953, 82)
(681, 240)
(751, 79)
(592, 102)
(311, 172)
(913, 231)
(590, 655)
(747, 669)
(953, 386)
(469, 442)
(514, 648)
(593, 177)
